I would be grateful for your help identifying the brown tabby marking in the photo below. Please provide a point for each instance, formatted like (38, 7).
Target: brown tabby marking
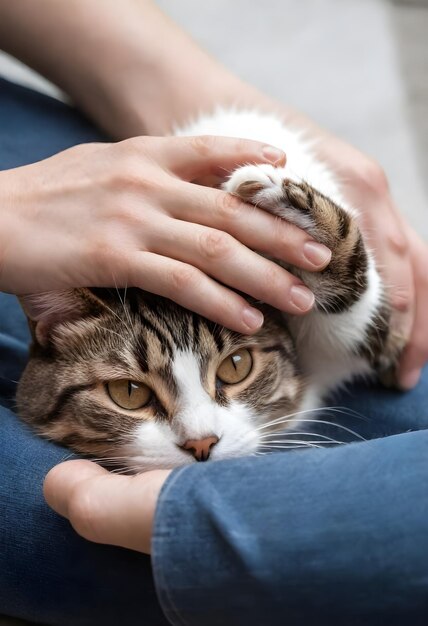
(108, 336)
(62, 390)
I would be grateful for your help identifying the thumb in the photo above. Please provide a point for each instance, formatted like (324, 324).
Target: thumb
(103, 507)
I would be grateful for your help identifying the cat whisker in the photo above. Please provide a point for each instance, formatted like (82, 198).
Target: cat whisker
(300, 442)
(9, 380)
(309, 441)
(288, 433)
(116, 315)
(129, 324)
(128, 321)
(288, 447)
(111, 459)
(348, 430)
(288, 418)
(68, 456)
(126, 470)
(340, 410)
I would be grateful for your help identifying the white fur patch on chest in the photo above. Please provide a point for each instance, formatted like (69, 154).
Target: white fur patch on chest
(326, 344)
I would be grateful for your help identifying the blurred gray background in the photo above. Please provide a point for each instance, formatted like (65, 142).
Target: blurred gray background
(358, 67)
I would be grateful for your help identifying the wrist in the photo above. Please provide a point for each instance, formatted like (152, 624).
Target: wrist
(145, 86)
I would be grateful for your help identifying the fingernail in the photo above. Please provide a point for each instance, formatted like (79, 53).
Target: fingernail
(252, 318)
(410, 379)
(302, 298)
(273, 155)
(317, 254)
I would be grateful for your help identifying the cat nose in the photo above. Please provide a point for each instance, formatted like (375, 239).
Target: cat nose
(200, 448)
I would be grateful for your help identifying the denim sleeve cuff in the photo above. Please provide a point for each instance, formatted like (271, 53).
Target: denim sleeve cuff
(167, 532)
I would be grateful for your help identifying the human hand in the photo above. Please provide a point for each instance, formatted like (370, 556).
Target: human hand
(104, 507)
(415, 354)
(126, 214)
(401, 255)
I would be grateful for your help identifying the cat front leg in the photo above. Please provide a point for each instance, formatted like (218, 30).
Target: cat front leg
(350, 270)
(351, 319)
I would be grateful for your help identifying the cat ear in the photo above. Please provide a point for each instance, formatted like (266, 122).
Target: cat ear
(45, 310)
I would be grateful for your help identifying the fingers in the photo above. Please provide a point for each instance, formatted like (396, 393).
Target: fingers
(383, 230)
(218, 254)
(194, 290)
(416, 353)
(413, 359)
(192, 157)
(103, 507)
(255, 228)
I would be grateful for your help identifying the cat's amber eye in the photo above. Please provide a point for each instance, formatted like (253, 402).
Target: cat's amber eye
(236, 367)
(128, 394)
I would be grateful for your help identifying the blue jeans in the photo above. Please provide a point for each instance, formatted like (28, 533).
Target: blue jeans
(331, 537)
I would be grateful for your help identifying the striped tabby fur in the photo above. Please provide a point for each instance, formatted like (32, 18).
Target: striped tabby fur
(85, 338)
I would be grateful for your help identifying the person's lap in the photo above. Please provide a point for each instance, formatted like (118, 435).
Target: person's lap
(47, 573)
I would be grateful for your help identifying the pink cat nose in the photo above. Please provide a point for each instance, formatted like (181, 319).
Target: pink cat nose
(200, 448)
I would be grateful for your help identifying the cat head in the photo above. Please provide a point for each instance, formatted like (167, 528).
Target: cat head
(142, 383)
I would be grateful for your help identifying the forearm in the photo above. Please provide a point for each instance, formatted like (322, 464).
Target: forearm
(127, 65)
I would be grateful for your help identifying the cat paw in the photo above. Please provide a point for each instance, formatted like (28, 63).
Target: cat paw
(257, 184)
(268, 187)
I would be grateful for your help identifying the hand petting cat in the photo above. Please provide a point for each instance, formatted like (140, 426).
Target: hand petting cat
(127, 214)
(160, 88)
(401, 255)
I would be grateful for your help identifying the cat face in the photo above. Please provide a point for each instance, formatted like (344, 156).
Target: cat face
(143, 383)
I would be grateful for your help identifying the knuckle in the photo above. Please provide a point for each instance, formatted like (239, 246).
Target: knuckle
(286, 235)
(272, 281)
(183, 277)
(82, 511)
(104, 256)
(98, 250)
(215, 244)
(130, 218)
(203, 145)
(401, 299)
(229, 208)
(398, 242)
(85, 149)
(372, 179)
(134, 146)
(128, 172)
(99, 247)
(128, 175)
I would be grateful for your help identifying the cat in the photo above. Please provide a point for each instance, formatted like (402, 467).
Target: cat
(136, 380)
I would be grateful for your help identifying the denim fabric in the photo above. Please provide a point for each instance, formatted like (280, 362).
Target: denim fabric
(322, 537)
(335, 537)
(34, 127)
(47, 573)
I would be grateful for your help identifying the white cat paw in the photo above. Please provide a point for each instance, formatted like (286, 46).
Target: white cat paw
(257, 184)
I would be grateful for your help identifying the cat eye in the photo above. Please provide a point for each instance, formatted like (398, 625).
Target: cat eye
(128, 394)
(236, 367)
